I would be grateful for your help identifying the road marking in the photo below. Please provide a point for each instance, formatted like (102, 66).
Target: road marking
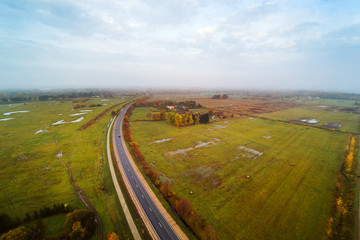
(137, 186)
(160, 225)
(150, 208)
(142, 196)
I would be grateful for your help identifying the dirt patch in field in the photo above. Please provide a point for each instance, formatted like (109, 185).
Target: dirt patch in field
(246, 106)
(206, 178)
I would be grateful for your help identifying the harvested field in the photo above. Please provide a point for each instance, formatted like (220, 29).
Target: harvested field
(246, 106)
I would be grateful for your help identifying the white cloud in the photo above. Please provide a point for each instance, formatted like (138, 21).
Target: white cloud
(161, 38)
(207, 31)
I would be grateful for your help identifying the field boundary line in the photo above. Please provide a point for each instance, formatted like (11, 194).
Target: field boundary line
(103, 113)
(121, 198)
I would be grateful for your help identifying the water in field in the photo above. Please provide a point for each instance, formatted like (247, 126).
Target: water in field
(9, 113)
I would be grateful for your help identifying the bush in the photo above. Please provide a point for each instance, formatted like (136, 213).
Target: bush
(80, 224)
(20, 233)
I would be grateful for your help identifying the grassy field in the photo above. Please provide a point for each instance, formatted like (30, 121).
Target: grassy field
(32, 164)
(141, 114)
(334, 102)
(241, 174)
(350, 122)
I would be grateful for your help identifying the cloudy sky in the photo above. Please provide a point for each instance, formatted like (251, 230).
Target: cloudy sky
(280, 44)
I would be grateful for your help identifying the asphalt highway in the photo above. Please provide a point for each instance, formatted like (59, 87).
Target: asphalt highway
(162, 228)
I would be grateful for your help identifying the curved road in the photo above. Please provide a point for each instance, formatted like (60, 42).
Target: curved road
(161, 227)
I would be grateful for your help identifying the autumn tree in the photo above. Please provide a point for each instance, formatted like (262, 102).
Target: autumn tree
(156, 116)
(165, 189)
(184, 207)
(80, 224)
(163, 114)
(112, 236)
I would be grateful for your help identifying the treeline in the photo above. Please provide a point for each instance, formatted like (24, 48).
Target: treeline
(100, 115)
(79, 225)
(159, 116)
(186, 119)
(198, 224)
(220, 96)
(180, 120)
(341, 221)
(182, 105)
(30, 96)
(7, 223)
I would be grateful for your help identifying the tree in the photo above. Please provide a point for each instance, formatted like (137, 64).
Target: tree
(184, 207)
(20, 233)
(165, 189)
(156, 116)
(163, 114)
(178, 120)
(204, 118)
(151, 173)
(112, 236)
(78, 232)
(86, 224)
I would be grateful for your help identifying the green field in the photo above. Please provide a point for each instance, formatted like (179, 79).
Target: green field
(350, 122)
(276, 201)
(33, 166)
(141, 114)
(334, 102)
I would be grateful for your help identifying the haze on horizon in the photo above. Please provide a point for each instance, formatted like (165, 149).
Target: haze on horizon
(310, 44)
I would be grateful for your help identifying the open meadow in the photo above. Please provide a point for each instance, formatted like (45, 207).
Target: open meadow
(251, 178)
(349, 122)
(40, 145)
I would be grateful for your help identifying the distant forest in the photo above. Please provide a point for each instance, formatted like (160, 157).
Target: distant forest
(30, 96)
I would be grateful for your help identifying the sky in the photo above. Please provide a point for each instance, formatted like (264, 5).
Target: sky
(280, 44)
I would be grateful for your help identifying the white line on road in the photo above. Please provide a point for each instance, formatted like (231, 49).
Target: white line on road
(160, 225)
